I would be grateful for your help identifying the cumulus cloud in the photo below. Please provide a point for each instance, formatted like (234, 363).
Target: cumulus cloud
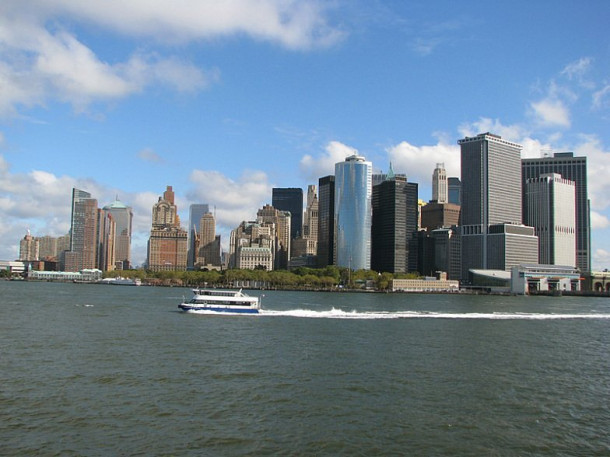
(551, 112)
(313, 168)
(42, 60)
(598, 170)
(235, 200)
(601, 259)
(418, 162)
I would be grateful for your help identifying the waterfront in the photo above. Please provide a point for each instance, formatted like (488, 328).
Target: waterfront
(102, 370)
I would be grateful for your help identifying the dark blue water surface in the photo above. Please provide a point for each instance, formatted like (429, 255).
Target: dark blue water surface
(109, 370)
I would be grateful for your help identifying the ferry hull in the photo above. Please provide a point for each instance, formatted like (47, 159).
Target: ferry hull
(217, 309)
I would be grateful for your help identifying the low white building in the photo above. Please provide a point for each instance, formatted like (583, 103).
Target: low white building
(87, 275)
(425, 285)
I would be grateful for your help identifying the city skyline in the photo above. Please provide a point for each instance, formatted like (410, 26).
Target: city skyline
(225, 110)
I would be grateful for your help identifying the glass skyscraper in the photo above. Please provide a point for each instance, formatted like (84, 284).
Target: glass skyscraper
(196, 212)
(353, 213)
(290, 199)
(326, 221)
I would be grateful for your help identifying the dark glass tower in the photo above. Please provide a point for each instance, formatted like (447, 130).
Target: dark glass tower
(574, 169)
(326, 221)
(290, 199)
(394, 222)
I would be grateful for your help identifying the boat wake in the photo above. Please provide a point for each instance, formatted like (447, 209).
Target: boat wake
(341, 314)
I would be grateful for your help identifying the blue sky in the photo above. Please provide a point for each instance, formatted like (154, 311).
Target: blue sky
(225, 100)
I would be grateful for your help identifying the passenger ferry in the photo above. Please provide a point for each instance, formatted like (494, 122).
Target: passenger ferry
(217, 301)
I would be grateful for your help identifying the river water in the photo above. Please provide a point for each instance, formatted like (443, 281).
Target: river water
(102, 370)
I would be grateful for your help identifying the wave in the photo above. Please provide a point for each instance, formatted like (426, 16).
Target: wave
(341, 314)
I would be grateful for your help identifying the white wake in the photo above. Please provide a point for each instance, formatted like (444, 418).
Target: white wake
(340, 314)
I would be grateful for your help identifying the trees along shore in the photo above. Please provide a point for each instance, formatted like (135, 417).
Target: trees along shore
(302, 278)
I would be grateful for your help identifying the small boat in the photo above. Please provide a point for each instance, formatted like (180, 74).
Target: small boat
(217, 301)
(120, 281)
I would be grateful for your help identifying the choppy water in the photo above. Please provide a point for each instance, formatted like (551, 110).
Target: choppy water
(105, 370)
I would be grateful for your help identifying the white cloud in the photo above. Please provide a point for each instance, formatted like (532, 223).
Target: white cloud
(551, 112)
(40, 60)
(291, 23)
(598, 164)
(235, 200)
(313, 168)
(418, 162)
(599, 221)
(577, 68)
(600, 97)
(601, 259)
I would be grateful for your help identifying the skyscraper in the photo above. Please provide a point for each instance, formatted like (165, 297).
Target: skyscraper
(290, 199)
(281, 221)
(491, 180)
(167, 246)
(551, 209)
(207, 242)
(29, 248)
(393, 224)
(353, 213)
(123, 218)
(196, 212)
(83, 232)
(574, 169)
(491, 233)
(326, 221)
(439, 184)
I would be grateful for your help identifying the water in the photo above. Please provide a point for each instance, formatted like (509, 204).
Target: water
(105, 370)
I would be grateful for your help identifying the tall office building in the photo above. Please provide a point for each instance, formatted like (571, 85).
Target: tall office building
(353, 213)
(491, 233)
(550, 203)
(167, 245)
(491, 180)
(394, 222)
(207, 243)
(83, 233)
(196, 212)
(326, 221)
(123, 218)
(439, 184)
(29, 248)
(307, 244)
(574, 169)
(281, 221)
(454, 190)
(290, 199)
(106, 241)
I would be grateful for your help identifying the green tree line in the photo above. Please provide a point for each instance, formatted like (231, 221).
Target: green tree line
(327, 278)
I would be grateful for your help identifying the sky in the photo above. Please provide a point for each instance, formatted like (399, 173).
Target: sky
(224, 100)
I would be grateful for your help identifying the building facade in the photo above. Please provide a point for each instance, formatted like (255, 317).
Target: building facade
(290, 199)
(29, 248)
(83, 232)
(491, 233)
(574, 169)
(454, 186)
(167, 245)
(440, 188)
(550, 207)
(196, 212)
(353, 213)
(394, 221)
(123, 218)
(326, 221)
(439, 215)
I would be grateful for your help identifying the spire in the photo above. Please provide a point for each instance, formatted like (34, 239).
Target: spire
(391, 176)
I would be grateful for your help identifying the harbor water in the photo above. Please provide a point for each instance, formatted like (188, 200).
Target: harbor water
(99, 370)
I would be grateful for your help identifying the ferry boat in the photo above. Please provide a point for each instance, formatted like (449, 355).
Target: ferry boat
(217, 301)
